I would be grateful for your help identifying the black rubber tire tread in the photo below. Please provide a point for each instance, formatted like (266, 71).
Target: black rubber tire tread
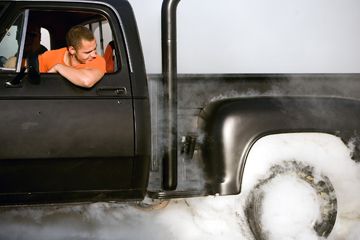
(321, 184)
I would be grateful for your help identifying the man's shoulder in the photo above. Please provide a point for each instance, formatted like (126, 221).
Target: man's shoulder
(55, 52)
(50, 58)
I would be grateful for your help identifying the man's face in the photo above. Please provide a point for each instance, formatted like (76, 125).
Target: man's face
(85, 52)
(32, 42)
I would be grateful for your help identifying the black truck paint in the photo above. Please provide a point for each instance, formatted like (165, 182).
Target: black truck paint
(124, 139)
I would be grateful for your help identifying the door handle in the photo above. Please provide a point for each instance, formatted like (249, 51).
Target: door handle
(111, 91)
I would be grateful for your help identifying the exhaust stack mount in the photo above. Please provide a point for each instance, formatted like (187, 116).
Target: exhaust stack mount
(169, 70)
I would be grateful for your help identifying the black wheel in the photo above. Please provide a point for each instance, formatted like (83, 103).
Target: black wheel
(321, 184)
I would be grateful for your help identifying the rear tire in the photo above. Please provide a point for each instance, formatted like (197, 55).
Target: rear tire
(321, 184)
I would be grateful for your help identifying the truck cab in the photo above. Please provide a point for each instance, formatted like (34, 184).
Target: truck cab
(60, 142)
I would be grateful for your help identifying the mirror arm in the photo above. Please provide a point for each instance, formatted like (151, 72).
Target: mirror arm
(32, 73)
(16, 82)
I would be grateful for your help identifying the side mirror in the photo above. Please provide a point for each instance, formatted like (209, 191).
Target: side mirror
(32, 73)
(16, 82)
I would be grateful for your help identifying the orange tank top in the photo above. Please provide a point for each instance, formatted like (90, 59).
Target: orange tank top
(50, 58)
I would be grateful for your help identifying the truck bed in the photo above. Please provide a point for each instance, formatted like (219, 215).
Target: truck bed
(196, 91)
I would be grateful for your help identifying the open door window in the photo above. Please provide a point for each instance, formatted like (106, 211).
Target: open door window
(17, 36)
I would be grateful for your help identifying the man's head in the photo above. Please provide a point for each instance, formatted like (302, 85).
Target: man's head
(32, 41)
(81, 44)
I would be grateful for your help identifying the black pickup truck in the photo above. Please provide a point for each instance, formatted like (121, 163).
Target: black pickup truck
(132, 134)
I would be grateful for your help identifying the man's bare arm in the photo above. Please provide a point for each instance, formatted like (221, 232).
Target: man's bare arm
(81, 77)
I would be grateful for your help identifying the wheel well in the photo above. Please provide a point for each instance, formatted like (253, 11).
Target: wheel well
(231, 127)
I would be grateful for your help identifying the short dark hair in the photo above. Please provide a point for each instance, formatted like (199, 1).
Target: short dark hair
(76, 34)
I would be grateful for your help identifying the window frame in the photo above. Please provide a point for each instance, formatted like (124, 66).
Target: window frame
(122, 57)
(123, 61)
(54, 85)
(22, 41)
(3, 7)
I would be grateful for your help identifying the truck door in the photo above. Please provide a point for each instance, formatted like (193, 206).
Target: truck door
(56, 137)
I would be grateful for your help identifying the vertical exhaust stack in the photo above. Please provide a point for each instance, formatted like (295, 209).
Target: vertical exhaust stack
(169, 69)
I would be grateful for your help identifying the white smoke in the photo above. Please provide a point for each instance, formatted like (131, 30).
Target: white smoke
(329, 155)
(290, 208)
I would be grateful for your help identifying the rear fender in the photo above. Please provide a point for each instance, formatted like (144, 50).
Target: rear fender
(232, 126)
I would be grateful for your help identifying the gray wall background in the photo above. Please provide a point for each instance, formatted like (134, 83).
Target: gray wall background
(256, 36)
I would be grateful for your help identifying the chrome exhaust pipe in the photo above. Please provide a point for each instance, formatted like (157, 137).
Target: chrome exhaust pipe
(169, 70)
